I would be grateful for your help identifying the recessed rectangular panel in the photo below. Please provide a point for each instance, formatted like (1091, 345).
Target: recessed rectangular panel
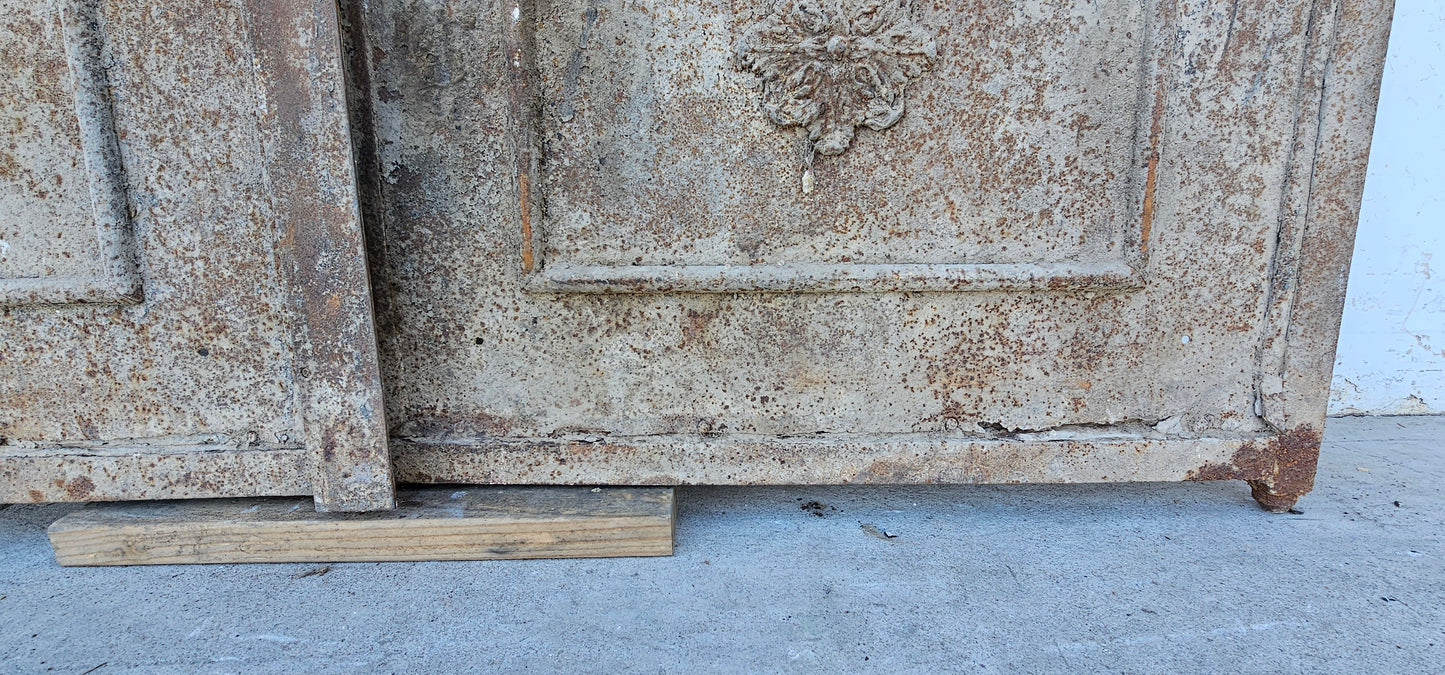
(939, 141)
(64, 227)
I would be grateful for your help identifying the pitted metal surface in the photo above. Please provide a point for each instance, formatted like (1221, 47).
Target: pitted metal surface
(209, 350)
(675, 263)
(610, 242)
(648, 90)
(232, 161)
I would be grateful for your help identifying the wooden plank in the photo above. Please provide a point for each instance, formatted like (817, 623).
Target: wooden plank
(440, 523)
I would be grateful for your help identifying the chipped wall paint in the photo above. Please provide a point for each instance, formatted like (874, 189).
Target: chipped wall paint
(1391, 357)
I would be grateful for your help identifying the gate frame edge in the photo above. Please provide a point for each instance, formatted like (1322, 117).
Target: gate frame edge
(312, 176)
(1346, 116)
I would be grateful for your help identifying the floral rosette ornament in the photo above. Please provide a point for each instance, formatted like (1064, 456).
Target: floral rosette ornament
(830, 66)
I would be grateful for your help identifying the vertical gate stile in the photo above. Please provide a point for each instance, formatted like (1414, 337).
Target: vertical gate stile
(1351, 88)
(312, 175)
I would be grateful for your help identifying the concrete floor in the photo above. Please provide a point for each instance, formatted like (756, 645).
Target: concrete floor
(1132, 578)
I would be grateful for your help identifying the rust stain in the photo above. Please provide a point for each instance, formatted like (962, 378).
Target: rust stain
(695, 330)
(523, 185)
(1279, 472)
(79, 489)
(1151, 181)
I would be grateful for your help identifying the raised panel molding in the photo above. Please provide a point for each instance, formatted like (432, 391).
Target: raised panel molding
(116, 279)
(642, 160)
(840, 278)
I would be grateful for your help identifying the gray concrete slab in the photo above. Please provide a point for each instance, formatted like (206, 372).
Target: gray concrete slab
(1132, 578)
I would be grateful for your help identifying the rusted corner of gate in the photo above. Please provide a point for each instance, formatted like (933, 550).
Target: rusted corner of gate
(1279, 471)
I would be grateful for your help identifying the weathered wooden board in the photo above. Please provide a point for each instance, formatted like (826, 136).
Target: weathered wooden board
(443, 523)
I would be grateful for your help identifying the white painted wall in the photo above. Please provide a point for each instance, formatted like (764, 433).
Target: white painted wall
(1392, 345)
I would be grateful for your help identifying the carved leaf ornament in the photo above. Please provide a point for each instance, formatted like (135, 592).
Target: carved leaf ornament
(830, 66)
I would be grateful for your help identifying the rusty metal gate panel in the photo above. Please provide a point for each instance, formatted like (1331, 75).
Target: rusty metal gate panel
(837, 241)
(184, 309)
(635, 242)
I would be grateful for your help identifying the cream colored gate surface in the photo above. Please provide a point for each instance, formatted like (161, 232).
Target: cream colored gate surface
(625, 241)
(183, 300)
(637, 242)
